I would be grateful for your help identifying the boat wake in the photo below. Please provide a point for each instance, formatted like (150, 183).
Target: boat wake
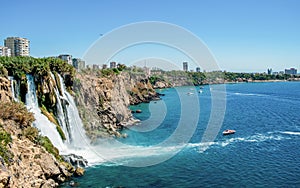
(277, 136)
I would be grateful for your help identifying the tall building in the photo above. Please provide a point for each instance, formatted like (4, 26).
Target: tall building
(67, 58)
(270, 71)
(95, 67)
(113, 65)
(198, 69)
(79, 64)
(5, 51)
(104, 66)
(18, 46)
(185, 66)
(290, 71)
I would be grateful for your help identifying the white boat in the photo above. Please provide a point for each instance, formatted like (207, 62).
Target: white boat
(200, 91)
(228, 131)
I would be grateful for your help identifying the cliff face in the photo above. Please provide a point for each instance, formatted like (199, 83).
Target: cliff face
(102, 103)
(5, 90)
(139, 88)
(25, 160)
(103, 100)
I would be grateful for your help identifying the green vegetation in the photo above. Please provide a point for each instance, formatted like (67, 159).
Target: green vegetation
(33, 135)
(5, 139)
(3, 71)
(199, 78)
(46, 143)
(16, 112)
(107, 72)
(38, 67)
(156, 78)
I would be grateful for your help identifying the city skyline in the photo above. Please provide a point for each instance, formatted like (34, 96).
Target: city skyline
(248, 36)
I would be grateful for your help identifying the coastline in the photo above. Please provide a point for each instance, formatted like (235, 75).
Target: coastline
(226, 82)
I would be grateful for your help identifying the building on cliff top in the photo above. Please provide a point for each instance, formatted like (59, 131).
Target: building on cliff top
(185, 66)
(292, 71)
(113, 64)
(5, 51)
(67, 58)
(18, 46)
(79, 64)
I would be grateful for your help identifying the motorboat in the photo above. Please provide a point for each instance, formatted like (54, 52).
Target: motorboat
(228, 131)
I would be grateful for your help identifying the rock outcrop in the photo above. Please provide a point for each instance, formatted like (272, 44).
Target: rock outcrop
(161, 85)
(5, 90)
(103, 100)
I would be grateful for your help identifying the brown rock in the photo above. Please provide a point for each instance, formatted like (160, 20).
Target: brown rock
(79, 171)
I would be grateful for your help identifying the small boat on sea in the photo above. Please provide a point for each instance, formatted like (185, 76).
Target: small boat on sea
(200, 91)
(190, 93)
(228, 131)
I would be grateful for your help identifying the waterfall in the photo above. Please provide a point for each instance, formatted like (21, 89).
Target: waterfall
(41, 122)
(78, 138)
(61, 113)
(68, 117)
(14, 94)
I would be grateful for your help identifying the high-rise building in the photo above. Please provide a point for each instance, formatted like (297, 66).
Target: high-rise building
(270, 71)
(95, 67)
(198, 69)
(185, 66)
(67, 58)
(5, 51)
(18, 46)
(104, 66)
(79, 64)
(290, 71)
(113, 65)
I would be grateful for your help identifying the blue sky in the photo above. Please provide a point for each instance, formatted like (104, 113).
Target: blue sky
(243, 35)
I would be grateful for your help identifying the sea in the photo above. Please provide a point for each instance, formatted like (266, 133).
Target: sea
(177, 143)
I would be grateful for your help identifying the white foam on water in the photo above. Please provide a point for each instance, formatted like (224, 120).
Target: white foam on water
(291, 133)
(254, 139)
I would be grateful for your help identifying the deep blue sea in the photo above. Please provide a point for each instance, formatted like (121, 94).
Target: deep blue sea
(264, 151)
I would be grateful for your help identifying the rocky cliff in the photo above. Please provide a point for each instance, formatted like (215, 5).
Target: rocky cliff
(103, 100)
(5, 90)
(26, 158)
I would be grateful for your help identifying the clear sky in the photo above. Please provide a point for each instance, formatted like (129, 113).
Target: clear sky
(243, 35)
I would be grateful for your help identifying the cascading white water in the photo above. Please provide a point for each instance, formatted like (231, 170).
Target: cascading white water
(41, 122)
(78, 139)
(11, 78)
(72, 125)
(60, 113)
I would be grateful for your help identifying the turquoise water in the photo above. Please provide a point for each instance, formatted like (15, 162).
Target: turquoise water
(264, 152)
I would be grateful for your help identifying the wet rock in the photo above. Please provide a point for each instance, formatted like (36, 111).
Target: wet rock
(79, 171)
(75, 160)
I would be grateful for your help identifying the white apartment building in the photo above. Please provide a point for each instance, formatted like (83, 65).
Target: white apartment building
(5, 51)
(67, 58)
(18, 46)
